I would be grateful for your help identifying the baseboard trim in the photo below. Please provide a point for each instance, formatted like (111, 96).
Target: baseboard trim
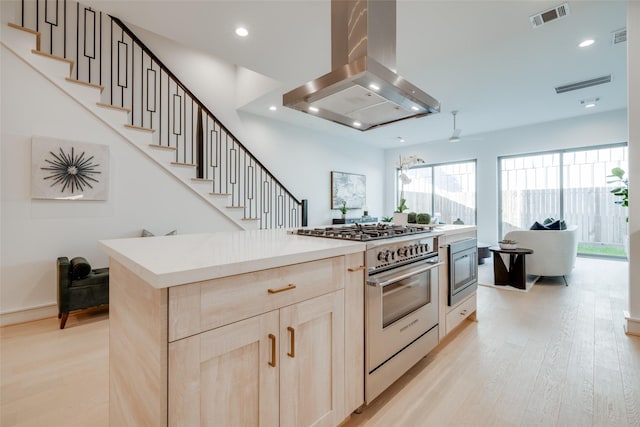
(29, 314)
(632, 327)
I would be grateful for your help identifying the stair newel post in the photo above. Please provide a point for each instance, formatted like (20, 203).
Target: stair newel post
(305, 211)
(199, 160)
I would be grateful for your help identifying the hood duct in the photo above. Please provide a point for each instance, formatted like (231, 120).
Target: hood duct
(363, 91)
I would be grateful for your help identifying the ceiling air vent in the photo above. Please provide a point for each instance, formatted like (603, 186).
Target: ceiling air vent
(619, 36)
(583, 84)
(549, 15)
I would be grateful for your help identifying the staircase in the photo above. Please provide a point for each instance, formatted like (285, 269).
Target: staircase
(102, 65)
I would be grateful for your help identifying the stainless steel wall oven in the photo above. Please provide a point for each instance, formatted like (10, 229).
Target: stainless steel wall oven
(463, 269)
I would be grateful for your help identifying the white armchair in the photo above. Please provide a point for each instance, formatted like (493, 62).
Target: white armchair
(554, 251)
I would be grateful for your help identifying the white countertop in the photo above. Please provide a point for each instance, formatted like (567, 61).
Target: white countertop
(165, 261)
(449, 229)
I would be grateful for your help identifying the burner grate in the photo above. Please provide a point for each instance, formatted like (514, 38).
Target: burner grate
(363, 232)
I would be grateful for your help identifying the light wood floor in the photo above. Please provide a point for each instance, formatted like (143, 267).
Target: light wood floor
(554, 356)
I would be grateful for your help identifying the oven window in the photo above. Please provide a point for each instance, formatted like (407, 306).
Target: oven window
(464, 269)
(404, 297)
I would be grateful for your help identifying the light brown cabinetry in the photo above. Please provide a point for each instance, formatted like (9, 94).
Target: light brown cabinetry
(266, 348)
(284, 367)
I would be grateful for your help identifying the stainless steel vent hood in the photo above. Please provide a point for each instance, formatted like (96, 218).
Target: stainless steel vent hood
(363, 91)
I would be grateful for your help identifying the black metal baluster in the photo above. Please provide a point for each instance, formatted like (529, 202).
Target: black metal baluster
(100, 60)
(133, 82)
(200, 145)
(160, 110)
(112, 61)
(64, 37)
(77, 41)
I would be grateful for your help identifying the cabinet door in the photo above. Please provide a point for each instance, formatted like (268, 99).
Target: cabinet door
(312, 362)
(225, 377)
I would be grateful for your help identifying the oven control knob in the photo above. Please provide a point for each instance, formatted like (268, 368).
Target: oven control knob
(426, 247)
(381, 256)
(402, 251)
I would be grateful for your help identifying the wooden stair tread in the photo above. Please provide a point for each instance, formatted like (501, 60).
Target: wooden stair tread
(134, 127)
(219, 194)
(82, 82)
(27, 30)
(162, 147)
(191, 165)
(235, 207)
(113, 107)
(251, 219)
(201, 180)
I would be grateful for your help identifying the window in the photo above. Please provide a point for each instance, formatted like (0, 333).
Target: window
(446, 191)
(570, 185)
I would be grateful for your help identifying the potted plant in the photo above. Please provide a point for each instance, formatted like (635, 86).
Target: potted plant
(621, 190)
(343, 209)
(423, 218)
(622, 187)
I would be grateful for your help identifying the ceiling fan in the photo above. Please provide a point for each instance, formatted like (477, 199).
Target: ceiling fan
(455, 136)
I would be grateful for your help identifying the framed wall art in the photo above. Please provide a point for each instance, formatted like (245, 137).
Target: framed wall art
(350, 188)
(68, 170)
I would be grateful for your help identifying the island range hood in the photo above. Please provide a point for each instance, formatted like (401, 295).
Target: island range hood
(363, 91)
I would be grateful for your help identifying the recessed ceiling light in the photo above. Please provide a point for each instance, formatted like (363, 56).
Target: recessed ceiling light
(414, 108)
(242, 32)
(374, 86)
(400, 139)
(587, 42)
(273, 108)
(313, 109)
(357, 124)
(590, 103)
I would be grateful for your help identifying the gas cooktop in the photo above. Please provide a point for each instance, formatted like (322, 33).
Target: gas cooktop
(366, 232)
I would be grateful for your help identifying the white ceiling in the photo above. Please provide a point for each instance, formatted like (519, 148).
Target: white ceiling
(482, 58)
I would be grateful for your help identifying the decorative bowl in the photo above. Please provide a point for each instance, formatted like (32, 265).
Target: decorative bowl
(508, 244)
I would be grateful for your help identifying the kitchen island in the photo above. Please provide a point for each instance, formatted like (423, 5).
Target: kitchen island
(238, 328)
(243, 328)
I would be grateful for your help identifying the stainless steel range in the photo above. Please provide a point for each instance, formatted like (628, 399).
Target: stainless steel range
(401, 295)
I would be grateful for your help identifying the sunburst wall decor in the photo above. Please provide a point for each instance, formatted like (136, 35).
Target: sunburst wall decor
(68, 170)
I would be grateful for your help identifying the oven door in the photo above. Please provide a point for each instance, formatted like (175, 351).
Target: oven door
(463, 269)
(402, 305)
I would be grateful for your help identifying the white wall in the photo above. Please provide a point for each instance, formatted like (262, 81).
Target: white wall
(35, 232)
(592, 129)
(633, 73)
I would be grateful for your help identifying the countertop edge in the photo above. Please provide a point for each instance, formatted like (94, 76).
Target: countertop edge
(182, 277)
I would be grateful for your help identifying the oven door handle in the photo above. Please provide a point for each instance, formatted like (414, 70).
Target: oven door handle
(394, 279)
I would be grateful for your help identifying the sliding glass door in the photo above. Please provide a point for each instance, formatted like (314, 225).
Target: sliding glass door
(570, 185)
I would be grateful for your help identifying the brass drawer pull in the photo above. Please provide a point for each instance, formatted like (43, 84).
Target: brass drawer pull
(272, 362)
(362, 267)
(463, 312)
(292, 331)
(289, 287)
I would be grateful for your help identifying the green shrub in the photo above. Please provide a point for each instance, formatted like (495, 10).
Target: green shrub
(424, 218)
(411, 217)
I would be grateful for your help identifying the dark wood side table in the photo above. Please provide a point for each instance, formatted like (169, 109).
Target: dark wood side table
(516, 274)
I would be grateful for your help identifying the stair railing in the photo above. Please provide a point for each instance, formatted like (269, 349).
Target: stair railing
(107, 53)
